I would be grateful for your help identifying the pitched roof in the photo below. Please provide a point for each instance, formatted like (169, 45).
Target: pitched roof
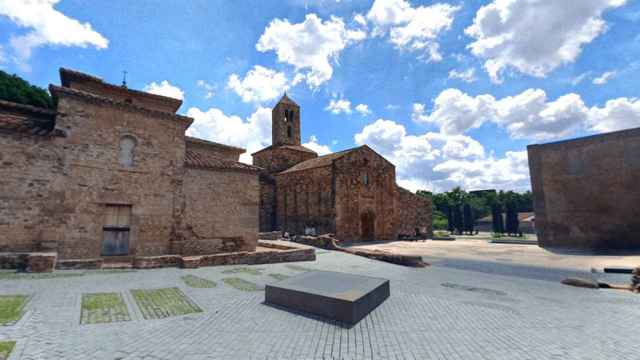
(320, 161)
(289, 147)
(194, 140)
(28, 119)
(67, 77)
(285, 100)
(197, 160)
(56, 90)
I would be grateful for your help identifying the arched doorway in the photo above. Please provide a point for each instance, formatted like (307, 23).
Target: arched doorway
(367, 226)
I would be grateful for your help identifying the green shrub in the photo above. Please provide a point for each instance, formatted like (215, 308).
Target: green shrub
(15, 89)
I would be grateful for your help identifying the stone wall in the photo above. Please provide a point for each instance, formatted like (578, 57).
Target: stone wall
(305, 201)
(94, 177)
(276, 159)
(57, 185)
(355, 199)
(586, 191)
(220, 212)
(267, 202)
(414, 213)
(32, 175)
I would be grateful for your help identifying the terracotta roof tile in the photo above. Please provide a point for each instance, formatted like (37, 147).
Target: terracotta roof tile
(318, 162)
(197, 160)
(193, 140)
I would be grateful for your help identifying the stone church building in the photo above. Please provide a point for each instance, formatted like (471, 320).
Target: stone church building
(110, 172)
(352, 193)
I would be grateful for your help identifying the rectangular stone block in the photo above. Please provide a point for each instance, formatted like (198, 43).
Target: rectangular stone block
(343, 297)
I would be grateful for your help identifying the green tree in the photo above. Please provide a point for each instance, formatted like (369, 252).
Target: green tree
(15, 89)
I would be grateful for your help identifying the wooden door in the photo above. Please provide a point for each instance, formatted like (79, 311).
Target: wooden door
(367, 226)
(115, 240)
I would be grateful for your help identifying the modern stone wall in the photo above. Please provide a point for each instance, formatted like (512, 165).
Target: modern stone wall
(586, 191)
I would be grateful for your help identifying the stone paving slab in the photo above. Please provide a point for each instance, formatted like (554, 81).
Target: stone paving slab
(519, 319)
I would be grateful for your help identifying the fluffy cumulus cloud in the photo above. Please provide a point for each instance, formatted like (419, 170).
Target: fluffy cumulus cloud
(314, 145)
(259, 84)
(456, 112)
(47, 26)
(616, 114)
(252, 133)
(412, 28)
(339, 106)
(503, 36)
(528, 115)
(312, 45)
(164, 88)
(363, 109)
(439, 162)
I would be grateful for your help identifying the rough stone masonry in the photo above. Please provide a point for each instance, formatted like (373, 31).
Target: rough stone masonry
(111, 173)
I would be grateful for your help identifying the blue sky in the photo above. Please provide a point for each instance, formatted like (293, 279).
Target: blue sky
(450, 91)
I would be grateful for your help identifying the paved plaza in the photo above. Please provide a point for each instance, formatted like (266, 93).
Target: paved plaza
(218, 313)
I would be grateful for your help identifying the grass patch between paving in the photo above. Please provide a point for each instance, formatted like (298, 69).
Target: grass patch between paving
(13, 275)
(198, 282)
(241, 284)
(6, 347)
(279, 277)
(102, 308)
(162, 303)
(244, 270)
(11, 307)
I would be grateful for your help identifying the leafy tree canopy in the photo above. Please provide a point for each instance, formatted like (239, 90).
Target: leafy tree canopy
(15, 89)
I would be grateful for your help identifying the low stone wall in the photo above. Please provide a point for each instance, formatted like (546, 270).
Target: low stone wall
(79, 264)
(272, 235)
(46, 262)
(29, 262)
(328, 242)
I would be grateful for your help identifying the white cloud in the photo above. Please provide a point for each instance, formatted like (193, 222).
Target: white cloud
(528, 115)
(164, 88)
(604, 78)
(363, 109)
(339, 106)
(311, 45)
(617, 114)
(535, 37)
(259, 84)
(314, 145)
(412, 28)
(456, 112)
(208, 88)
(467, 76)
(439, 162)
(253, 133)
(580, 78)
(47, 26)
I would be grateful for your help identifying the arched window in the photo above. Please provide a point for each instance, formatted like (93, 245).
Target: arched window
(286, 115)
(365, 179)
(127, 148)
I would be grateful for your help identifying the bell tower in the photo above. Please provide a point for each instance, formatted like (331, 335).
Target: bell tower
(285, 123)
